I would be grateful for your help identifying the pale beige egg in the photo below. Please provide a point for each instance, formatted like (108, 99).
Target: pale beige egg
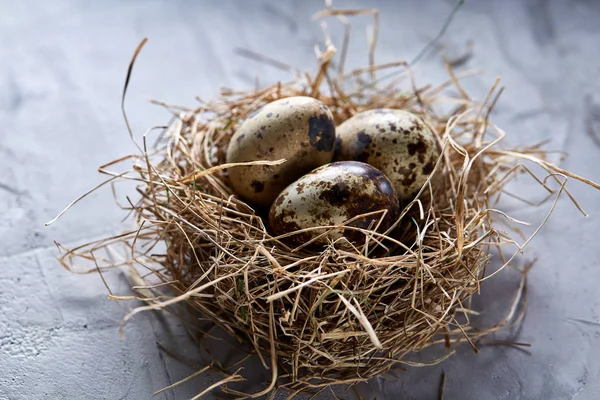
(331, 195)
(298, 129)
(394, 141)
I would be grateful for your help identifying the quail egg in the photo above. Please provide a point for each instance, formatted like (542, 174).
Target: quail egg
(299, 129)
(396, 142)
(331, 195)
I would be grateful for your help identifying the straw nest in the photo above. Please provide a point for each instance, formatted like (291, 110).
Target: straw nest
(337, 315)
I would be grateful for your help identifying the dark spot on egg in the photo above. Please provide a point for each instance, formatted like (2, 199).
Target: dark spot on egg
(362, 203)
(269, 115)
(419, 147)
(277, 116)
(337, 194)
(325, 215)
(282, 221)
(259, 135)
(408, 174)
(395, 141)
(362, 139)
(240, 138)
(258, 186)
(276, 176)
(300, 187)
(321, 131)
(361, 146)
(381, 130)
(409, 180)
(392, 127)
(280, 199)
(378, 154)
(271, 149)
(428, 168)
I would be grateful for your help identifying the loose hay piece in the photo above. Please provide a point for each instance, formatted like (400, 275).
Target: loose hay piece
(341, 315)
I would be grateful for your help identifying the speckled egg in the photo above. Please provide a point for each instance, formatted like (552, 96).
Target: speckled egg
(298, 129)
(331, 195)
(396, 142)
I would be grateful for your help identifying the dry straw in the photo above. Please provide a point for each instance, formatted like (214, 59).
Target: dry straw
(340, 315)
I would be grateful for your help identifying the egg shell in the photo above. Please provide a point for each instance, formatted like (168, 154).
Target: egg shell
(395, 141)
(331, 195)
(299, 129)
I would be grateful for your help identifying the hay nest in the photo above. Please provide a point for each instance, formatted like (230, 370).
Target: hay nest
(337, 315)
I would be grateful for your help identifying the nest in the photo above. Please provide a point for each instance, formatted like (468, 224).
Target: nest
(337, 315)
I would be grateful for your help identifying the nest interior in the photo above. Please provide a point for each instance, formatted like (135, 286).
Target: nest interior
(339, 314)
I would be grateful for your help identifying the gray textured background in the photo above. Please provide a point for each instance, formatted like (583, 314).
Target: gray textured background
(62, 65)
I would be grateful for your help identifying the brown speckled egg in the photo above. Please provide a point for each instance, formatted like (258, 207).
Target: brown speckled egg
(299, 129)
(396, 142)
(331, 195)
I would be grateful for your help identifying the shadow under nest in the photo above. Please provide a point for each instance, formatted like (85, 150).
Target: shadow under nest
(346, 312)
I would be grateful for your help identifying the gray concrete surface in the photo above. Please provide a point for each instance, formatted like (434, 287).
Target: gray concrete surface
(62, 65)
